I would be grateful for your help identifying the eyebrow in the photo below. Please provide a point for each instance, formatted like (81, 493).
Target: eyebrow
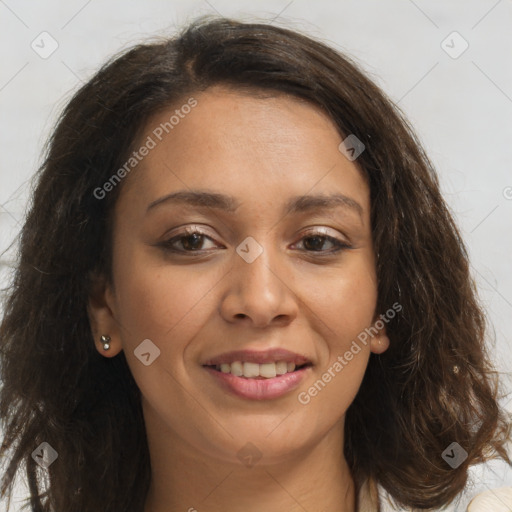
(297, 204)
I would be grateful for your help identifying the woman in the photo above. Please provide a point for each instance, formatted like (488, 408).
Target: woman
(239, 288)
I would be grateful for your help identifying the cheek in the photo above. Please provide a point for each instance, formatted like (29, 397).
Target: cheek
(153, 301)
(346, 302)
(341, 370)
(346, 305)
(160, 302)
(167, 305)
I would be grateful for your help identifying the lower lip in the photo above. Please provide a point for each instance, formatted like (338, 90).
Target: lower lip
(260, 389)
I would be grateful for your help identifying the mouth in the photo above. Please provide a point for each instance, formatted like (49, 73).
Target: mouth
(249, 370)
(258, 375)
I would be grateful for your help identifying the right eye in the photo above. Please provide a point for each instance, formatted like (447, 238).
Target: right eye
(191, 241)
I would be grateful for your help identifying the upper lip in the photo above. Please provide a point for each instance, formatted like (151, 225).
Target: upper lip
(258, 356)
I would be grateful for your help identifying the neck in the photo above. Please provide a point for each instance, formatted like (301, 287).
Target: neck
(185, 480)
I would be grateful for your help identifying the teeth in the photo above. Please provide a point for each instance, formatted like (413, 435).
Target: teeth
(268, 370)
(252, 370)
(281, 367)
(237, 368)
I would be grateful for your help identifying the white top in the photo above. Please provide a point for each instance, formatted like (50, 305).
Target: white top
(368, 498)
(371, 499)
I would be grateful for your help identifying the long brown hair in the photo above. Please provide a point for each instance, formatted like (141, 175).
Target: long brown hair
(434, 385)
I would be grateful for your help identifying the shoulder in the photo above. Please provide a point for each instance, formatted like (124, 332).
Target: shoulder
(372, 498)
(497, 500)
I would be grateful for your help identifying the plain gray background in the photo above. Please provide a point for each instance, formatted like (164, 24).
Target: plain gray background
(460, 103)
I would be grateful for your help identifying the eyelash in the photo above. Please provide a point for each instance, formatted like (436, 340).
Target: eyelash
(168, 245)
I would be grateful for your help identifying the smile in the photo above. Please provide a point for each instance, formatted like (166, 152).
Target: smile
(255, 370)
(258, 375)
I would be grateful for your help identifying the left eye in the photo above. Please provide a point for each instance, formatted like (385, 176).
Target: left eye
(315, 242)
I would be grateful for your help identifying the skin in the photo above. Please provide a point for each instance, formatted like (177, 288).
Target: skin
(262, 151)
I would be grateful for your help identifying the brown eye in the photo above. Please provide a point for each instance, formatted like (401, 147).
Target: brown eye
(315, 243)
(187, 242)
(192, 242)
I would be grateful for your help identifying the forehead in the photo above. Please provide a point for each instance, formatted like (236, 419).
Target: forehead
(245, 143)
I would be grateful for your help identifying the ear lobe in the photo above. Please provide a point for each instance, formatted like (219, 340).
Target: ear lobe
(101, 309)
(380, 342)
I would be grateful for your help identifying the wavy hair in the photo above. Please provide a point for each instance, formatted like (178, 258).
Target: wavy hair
(435, 385)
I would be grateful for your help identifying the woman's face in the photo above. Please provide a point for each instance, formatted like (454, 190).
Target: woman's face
(265, 257)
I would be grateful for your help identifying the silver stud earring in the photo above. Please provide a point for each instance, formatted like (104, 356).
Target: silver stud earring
(106, 342)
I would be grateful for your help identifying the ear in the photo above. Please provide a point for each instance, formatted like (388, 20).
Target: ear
(380, 341)
(101, 308)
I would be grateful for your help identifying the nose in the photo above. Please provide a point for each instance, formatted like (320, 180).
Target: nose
(260, 293)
